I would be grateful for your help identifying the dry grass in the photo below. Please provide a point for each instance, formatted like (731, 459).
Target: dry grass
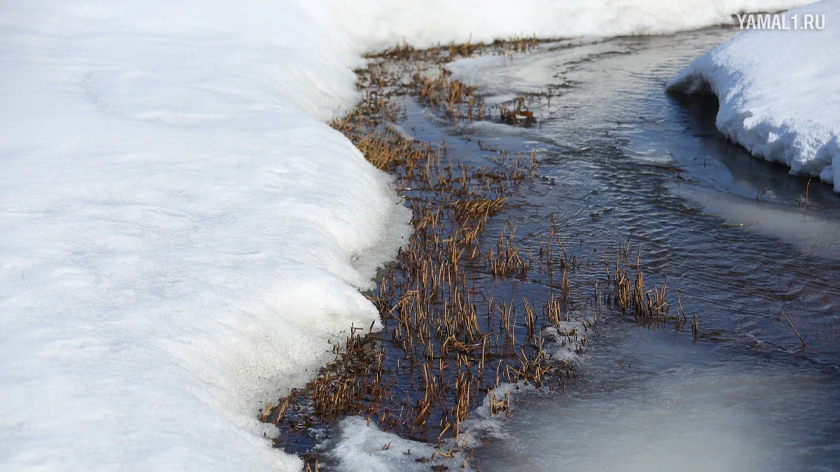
(633, 297)
(445, 342)
(437, 337)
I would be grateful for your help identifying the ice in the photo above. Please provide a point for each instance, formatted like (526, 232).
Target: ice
(363, 447)
(651, 402)
(779, 92)
(810, 232)
(481, 423)
(567, 339)
(467, 68)
(181, 234)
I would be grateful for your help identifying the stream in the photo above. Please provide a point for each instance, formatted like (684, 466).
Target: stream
(730, 231)
(752, 251)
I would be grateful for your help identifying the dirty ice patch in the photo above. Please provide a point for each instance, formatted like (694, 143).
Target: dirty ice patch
(566, 340)
(363, 447)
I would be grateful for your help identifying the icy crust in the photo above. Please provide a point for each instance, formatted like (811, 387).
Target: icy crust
(363, 447)
(467, 69)
(181, 236)
(779, 92)
(567, 339)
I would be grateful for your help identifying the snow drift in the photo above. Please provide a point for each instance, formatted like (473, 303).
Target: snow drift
(181, 236)
(779, 92)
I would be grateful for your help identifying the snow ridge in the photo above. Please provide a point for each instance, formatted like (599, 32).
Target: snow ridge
(779, 92)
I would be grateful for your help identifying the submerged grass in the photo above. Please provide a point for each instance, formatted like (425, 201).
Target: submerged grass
(449, 338)
(446, 345)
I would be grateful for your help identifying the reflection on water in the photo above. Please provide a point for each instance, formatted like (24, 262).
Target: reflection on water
(810, 232)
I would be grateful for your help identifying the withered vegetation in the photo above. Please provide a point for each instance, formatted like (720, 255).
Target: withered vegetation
(421, 72)
(448, 338)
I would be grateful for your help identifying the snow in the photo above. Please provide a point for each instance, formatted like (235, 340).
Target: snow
(181, 235)
(363, 447)
(568, 338)
(779, 92)
(181, 238)
(383, 23)
(468, 68)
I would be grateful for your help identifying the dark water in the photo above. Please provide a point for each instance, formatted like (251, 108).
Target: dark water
(624, 164)
(624, 161)
(638, 164)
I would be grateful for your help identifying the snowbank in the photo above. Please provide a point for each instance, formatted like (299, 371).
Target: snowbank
(179, 238)
(383, 23)
(181, 235)
(779, 92)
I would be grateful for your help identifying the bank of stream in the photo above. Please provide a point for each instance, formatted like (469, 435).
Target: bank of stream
(657, 298)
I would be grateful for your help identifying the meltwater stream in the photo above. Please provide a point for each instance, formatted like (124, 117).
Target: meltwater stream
(623, 164)
(731, 232)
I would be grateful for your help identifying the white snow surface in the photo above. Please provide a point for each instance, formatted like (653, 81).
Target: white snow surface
(779, 92)
(181, 235)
